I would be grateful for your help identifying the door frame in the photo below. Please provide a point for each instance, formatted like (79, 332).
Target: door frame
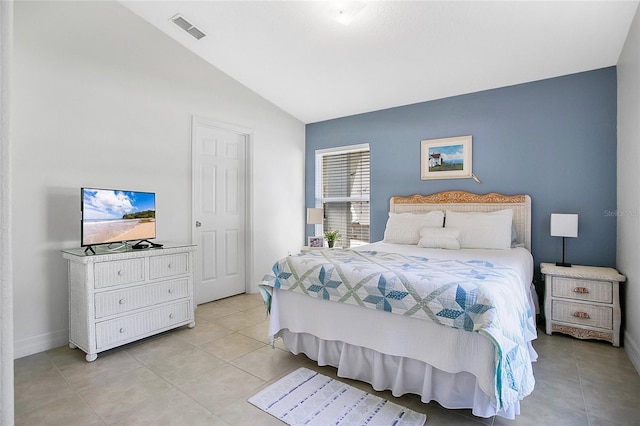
(248, 189)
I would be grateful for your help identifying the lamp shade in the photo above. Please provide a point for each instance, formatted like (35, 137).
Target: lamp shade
(564, 225)
(315, 216)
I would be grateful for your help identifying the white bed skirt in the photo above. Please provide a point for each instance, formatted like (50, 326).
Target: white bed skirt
(400, 375)
(398, 356)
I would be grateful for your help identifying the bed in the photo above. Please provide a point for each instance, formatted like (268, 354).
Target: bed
(450, 324)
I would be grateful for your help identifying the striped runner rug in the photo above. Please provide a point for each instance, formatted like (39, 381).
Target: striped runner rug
(306, 397)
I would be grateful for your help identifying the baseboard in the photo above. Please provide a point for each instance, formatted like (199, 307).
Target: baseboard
(41, 343)
(632, 349)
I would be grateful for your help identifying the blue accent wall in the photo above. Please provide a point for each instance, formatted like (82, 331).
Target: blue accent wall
(553, 139)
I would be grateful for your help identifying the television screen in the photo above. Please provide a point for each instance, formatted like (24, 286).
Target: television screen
(110, 216)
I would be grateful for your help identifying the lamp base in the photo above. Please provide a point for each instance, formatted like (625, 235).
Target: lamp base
(566, 265)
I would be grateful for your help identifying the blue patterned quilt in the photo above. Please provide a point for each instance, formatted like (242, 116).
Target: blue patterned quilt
(474, 295)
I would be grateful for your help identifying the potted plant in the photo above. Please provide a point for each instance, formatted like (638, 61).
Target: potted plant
(331, 237)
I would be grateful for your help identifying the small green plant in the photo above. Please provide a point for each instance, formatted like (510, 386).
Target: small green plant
(331, 235)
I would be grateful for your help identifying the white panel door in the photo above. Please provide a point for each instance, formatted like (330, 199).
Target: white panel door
(219, 158)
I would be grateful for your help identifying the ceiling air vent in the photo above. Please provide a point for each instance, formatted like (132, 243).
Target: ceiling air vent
(188, 26)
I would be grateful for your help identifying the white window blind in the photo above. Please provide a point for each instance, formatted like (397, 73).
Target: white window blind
(342, 189)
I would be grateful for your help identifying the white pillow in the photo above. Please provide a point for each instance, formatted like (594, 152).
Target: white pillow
(445, 238)
(514, 237)
(482, 230)
(404, 228)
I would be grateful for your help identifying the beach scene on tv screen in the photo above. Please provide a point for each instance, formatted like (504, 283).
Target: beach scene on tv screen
(113, 216)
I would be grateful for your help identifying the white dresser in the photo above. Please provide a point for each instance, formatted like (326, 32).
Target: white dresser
(119, 297)
(583, 301)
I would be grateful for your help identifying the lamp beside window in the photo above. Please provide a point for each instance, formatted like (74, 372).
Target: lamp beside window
(564, 225)
(315, 216)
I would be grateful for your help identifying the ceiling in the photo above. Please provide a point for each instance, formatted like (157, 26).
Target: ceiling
(393, 52)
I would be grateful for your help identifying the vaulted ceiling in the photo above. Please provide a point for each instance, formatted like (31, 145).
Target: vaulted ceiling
(297, 56)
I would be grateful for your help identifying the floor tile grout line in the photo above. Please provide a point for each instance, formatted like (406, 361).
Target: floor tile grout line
(177, 388)
(144, 365)
(581, 382)
(226, 363)
(37, 407)
(75, 389)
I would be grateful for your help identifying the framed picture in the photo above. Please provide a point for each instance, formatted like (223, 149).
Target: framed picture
(316, 242)
(446, 158)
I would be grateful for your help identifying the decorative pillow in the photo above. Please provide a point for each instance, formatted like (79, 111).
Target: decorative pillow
(404, 228)
(445, 238)
(482, 230)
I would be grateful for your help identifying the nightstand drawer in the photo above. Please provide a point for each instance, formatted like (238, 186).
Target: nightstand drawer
(572, 288)
(582, 314)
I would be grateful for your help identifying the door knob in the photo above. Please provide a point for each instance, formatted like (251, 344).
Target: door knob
(198, 224)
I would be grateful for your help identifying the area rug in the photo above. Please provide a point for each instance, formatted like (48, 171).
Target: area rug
(306, 397)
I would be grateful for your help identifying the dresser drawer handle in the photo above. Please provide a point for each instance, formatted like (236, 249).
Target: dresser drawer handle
(169, 266)
(121, 301)
(122, 330)
(120, 273)
(582, 315)
(170, 316)
(170, 291)
(581, 290)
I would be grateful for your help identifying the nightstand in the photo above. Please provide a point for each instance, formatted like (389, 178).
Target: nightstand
(583, 301)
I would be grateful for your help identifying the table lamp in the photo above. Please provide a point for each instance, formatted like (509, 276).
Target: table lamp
(315, 216)
(564, 225)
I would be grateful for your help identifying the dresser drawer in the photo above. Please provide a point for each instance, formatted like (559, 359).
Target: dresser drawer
(582, 314)
(118, 272)
(572, 288)
(168, 265)
(131, 327)
(118, 301)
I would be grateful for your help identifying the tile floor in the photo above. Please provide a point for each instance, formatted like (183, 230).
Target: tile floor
(203, 376)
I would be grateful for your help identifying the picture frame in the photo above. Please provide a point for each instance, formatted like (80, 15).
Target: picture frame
(315, 242)
(446, 158)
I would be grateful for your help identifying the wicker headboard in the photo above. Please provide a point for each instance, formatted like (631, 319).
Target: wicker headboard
(462, 201)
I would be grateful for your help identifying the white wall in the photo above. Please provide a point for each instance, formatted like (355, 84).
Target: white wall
(101, 98)
(6, 265)
(628, 256)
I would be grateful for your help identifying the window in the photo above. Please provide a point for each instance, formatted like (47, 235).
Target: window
(342, 189)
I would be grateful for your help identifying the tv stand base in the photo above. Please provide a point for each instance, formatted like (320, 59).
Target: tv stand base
(143, 244)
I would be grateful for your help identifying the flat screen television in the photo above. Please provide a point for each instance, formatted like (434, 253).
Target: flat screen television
(116, 216)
